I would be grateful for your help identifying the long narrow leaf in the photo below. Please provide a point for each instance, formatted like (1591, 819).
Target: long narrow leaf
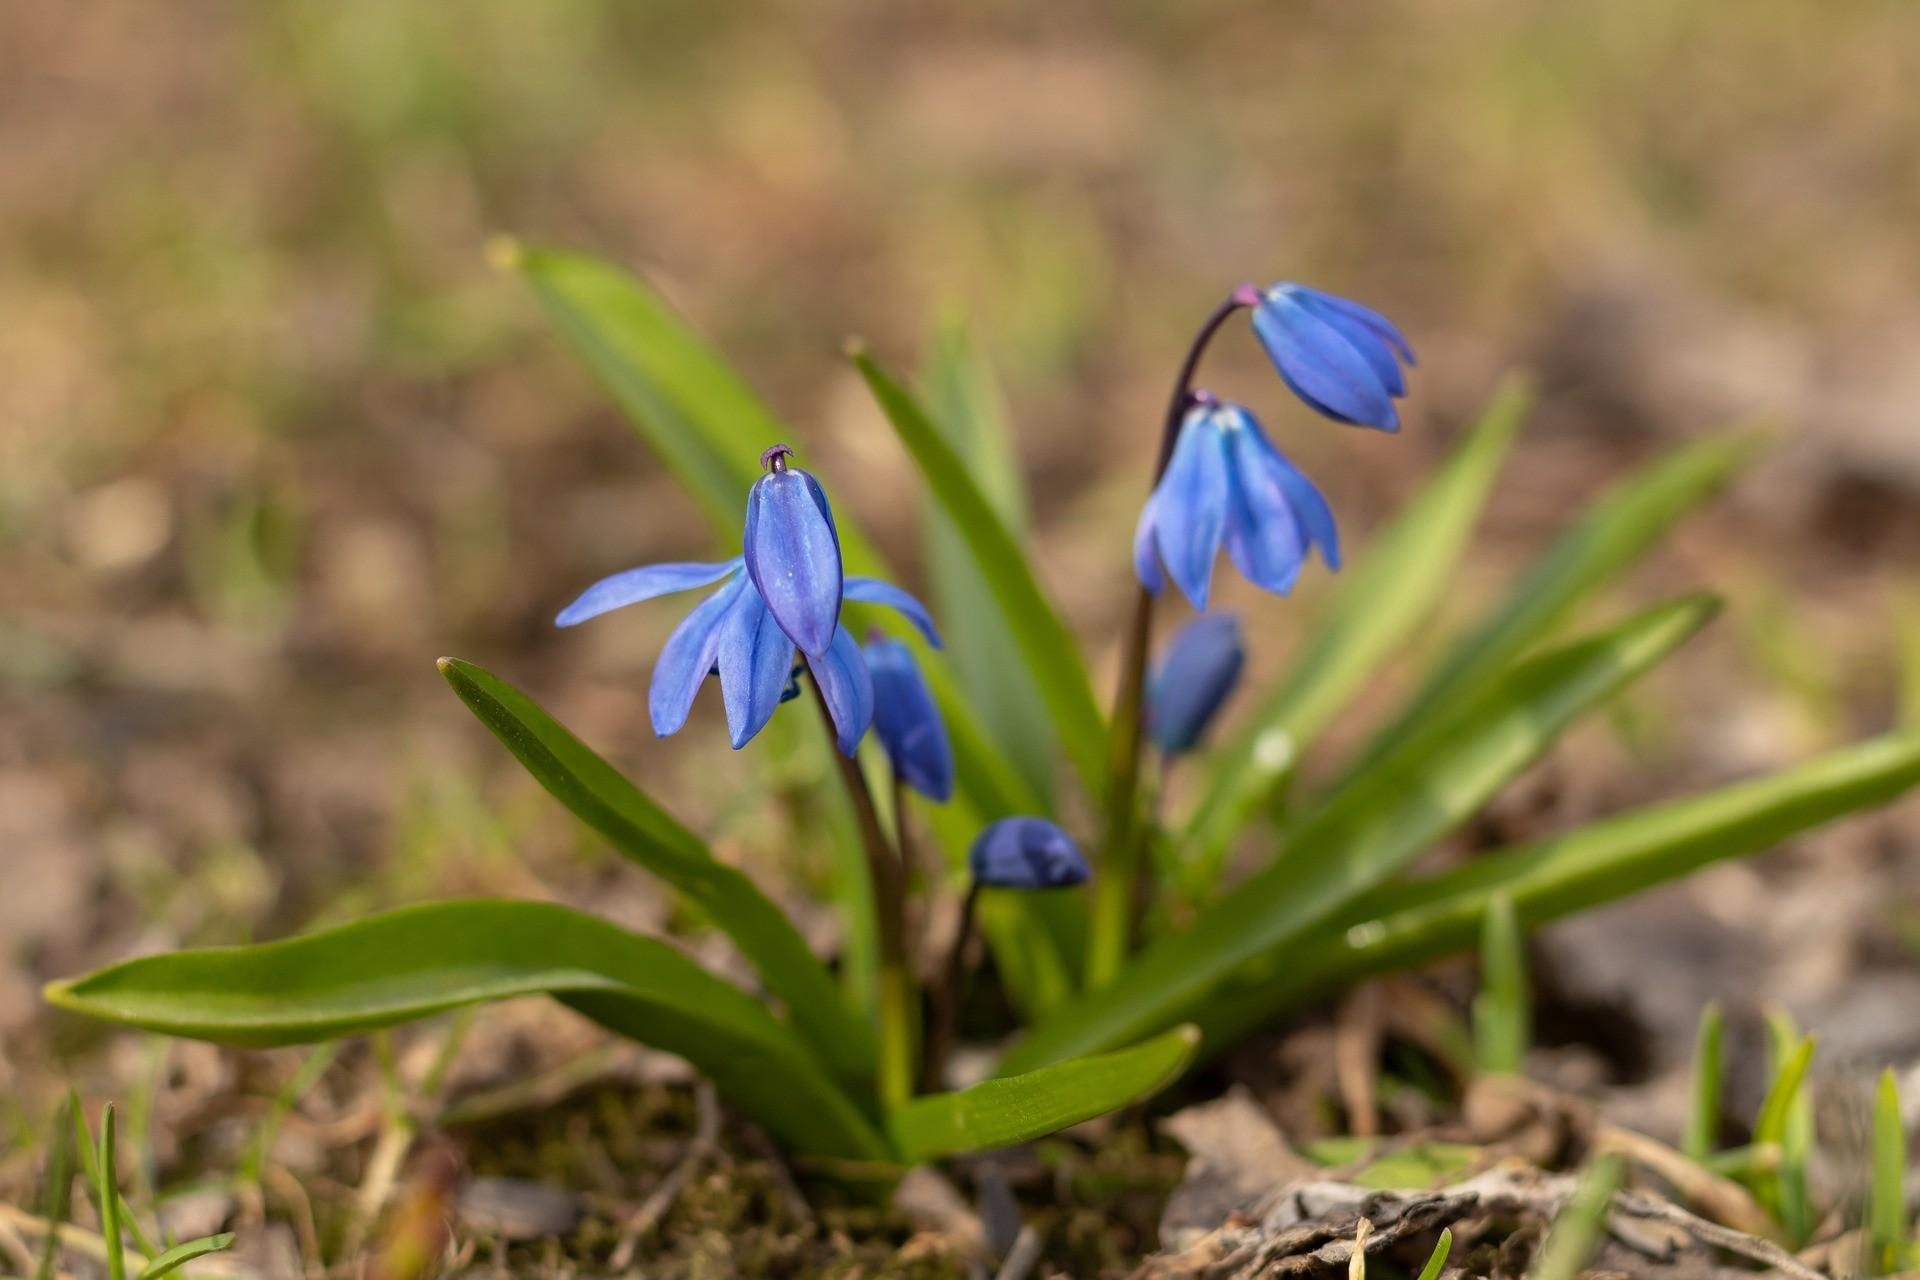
(1500, 1010)
(1580, 1223)
(1887, 1195)
(1368, 831)
(1043, 638)
(1703, 1111)
(408, 964)
(1402, 925)
(1620, 528)
(600, 796)
(999, 1113)
(1380, 604)
(181, 1254)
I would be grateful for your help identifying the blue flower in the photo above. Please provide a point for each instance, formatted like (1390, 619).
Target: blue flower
(1343, 359)
(740, 635)
(1193, 681)
(1026, 853)
(1227, 484)
(906, 720)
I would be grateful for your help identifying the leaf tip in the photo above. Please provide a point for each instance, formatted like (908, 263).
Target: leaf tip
(854, 348)
(445, 664)
(505, 253)
(1188, 1034)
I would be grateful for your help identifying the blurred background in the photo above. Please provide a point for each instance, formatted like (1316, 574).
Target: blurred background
(273, 435)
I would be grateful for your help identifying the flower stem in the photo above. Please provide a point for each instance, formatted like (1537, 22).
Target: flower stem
(946, 1013)
(894, 986)
(1111, 931)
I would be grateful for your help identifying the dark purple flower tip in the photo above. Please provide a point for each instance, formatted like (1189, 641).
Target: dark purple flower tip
(1341, 358)
(907, 721)
(1226, 485)
(793, 553)
(1193, 681)
(1026, 853)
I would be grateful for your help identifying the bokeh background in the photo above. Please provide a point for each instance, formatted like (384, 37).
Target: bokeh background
(273, 435)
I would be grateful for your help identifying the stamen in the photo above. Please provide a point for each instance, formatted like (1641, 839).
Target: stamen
(775, 458)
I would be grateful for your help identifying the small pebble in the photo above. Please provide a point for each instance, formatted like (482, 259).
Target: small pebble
(514, 1209)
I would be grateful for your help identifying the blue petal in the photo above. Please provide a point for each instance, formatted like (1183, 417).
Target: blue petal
(1367, 341)
(1264, 537)
(1146, 554)
(793, 556)
(1309, 506)
(1026, 853)
(1320, 365)
(640, 584)
(874, 591)
(907, 721)
(1193, 681)
(841, 675)
(1382, 327)
(687, 657)
(1192, 506)
(756, 660)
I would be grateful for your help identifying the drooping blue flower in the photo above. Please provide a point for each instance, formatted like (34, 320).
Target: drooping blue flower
(1026, 853)
(1193, 681)
(1343, 359)
(1227, 484)
(737, 634)
(907, 721)
(793, 552)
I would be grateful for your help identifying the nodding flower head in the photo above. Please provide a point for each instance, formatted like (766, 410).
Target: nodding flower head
(1193, 681)
(1227, 485)
(1343, 359)
(1026, 853)
(736, 633)
(907, 721)
(793, 552)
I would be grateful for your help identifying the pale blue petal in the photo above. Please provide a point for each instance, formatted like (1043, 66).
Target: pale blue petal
(793, 556)
(1321, 366)
(687, 657)
(907, 721)
(1264, 538)
(1026, 853)
(1309, 505)
(640, 584)
(755, 659)
(874, 591)
(842, 678)
(1146, 551)
(1369, 343)
(1192, 507)
(1382, 327)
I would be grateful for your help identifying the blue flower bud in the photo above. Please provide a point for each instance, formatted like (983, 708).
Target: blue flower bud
(793, 553)
(1343, 359)
(1026, 853)
(906, 720)
(1193, 681)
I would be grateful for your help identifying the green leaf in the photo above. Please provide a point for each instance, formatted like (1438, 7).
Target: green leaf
(968, 412)
(1500, 1035)
(1378, 607)
(408, 964)
(181, 1254)
(1399, 926)
(1887, 1198)
(1630, 519)
(107, 1189)
(999, 1113)
(59, 1184)
(1703, 1113)
(1367, 831)
(1043, 638)
(602, 798)
(1577, 1229)
(1438, 1259)
(1423, 1165)
(1785, 1123)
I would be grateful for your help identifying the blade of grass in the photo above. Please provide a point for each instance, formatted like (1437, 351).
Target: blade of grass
(1703, 1114)
(59, 1186)
(181, 1254)
(1042, 637)
(1575, 1232)
(1438, 1259)
(1623, 525)
(1367, 832)
(1500, 1034)
(109, 1192)
(1887, 1198)
(1783, 1192)
(1379, 605)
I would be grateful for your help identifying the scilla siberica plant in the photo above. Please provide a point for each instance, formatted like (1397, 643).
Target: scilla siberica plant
(1289, 883)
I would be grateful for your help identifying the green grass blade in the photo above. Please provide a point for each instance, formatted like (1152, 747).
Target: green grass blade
(1368, 831)
(108, 1188)
(254, 1168)
(1703, 1113)
(408, 964)
(967, 409)
(602, 798)
(1500, 1021)
(181, 1254)
(1887, 1198)
(59, 1197)
(1438, 1259)
(999, 1113)
(1379, 606)
(1402, 925)
(1785, 1122)
(1626, 522)
(1575, 1232)
(1043, 639)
